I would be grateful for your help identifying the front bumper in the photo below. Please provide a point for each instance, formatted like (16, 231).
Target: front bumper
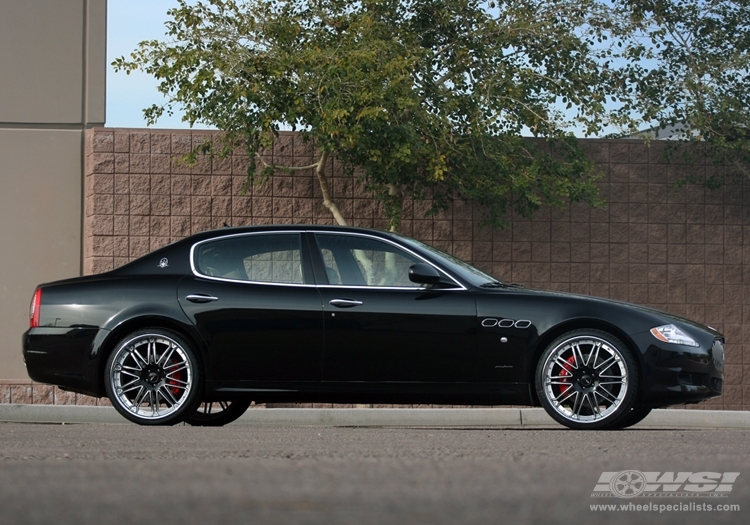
(64, 357)
(677, 374)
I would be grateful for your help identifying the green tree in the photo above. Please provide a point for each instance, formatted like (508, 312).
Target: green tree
(688, 65)
(416, 98)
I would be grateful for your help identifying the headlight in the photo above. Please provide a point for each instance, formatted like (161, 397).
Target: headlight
(669, 333)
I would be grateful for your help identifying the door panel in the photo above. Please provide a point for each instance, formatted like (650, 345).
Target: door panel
(380, 326)
(399, 335)
(256, 306)
(257, 331)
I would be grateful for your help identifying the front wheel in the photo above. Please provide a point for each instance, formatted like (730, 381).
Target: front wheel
(587, 379)
(217, 413)
(153, 378)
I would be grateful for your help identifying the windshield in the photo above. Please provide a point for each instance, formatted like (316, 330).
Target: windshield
(455, 265)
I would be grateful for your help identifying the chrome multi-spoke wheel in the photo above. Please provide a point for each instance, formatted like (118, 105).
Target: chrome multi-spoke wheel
(587, 379)
(217, 413)
(152, 378)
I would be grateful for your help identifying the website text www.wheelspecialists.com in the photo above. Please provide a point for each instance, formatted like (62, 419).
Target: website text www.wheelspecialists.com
(665, 507)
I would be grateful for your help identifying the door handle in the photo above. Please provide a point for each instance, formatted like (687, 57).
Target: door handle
(345, 303)
(201, 298)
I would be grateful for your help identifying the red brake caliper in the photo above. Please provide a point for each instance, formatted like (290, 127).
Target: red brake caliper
(566, 370)
(174, 384)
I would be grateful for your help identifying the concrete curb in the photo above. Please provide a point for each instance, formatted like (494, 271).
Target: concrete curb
(58, 414)
(364, 417)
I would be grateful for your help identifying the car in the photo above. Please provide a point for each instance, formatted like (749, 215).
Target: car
(199, 329)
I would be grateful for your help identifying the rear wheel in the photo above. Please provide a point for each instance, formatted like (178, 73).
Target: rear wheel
(153, 378)
(217, 413)
(587, 379)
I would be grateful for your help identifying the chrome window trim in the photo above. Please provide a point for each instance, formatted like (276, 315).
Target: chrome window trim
(400, 247)
(264, 283)
(458, 287)
(403, 288)
(245, 234)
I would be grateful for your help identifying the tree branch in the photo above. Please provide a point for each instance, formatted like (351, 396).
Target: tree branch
(291, 168)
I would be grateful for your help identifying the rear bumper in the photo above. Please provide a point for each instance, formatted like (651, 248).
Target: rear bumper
(64, 357)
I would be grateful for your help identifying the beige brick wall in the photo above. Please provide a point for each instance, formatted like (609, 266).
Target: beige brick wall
(682, 251)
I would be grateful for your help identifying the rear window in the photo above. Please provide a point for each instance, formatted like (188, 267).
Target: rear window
(265, 258)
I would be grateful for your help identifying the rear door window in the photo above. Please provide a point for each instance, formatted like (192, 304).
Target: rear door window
(264, 258)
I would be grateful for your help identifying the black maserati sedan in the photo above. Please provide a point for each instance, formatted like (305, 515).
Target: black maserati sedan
(196, 331)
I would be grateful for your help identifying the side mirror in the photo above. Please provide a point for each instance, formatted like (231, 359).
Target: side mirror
(423, 273)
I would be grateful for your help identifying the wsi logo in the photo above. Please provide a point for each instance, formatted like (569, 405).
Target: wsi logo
(634, 483)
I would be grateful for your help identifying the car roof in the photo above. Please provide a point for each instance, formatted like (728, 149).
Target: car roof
(177, 263)
(233, 230)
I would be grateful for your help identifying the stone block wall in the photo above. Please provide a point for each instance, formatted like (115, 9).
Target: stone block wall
(682, 251)
(27, 392)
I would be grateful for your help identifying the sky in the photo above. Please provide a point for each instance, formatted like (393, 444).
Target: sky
(130, 22)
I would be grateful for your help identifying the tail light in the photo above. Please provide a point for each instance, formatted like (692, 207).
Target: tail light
(36, 304)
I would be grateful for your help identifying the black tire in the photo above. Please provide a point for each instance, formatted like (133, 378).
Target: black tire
(633, 417)
(217, 413)
(153, 377)
(587, 379)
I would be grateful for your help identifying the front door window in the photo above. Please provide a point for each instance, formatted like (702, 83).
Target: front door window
(362, 261)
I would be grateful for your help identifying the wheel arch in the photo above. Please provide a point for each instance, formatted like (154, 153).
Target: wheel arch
(556, 331)
(148, 321)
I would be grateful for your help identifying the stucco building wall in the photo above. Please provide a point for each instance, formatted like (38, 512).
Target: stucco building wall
(52, 87)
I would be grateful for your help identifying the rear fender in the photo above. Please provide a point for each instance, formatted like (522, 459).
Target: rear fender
(139, 317)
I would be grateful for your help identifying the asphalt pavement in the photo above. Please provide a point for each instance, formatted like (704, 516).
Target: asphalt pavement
(95, 474)
(364, 417)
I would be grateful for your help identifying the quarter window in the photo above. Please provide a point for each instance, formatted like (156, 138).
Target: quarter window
(268, 258)
(351, 260)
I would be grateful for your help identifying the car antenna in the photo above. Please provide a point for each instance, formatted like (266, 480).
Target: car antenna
(225, 224)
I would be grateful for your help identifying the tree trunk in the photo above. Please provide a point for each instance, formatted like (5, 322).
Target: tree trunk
(320, 171)
(325, 187)
(395, 207)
